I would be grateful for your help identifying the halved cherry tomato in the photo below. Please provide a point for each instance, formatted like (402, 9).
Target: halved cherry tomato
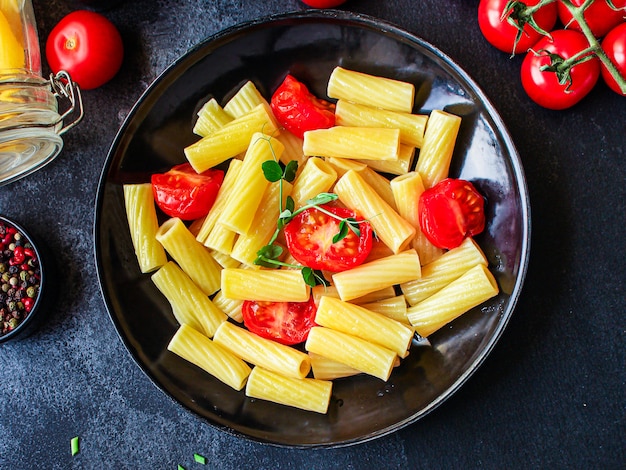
(614, 44)
(298, 110)
(450, 211)
(501, 34)
(88, 46)
(599, 16)
(183, 193)
(543, 87)
(284, 322)
(309, 238)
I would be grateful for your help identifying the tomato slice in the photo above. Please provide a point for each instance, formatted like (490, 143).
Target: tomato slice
(184, 193)
(310, 234)
(298, 110)
(450, 211)
(284, 322)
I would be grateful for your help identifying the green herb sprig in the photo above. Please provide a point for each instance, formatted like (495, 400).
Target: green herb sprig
(269, 255)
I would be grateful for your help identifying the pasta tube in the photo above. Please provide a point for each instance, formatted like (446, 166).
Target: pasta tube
(356, 194)
(263, 225)
(411, 126)
(196, 348)
(230, 178)
(143, 224)
(445, 269)
(407, 190)
(327, 369)
(377, 274)
(316, 177)
(468, 291)
(357, 353)
(379, 92)
(353, 142)
(402, 165)
(192, 257)
(244, 101)
(230, 140)
(189, 304)
(230, 307)
(273, 285)
(263, 352)
(211, 117)
(306, 394)
(365, 324)
(393, 307)
(247, 192)
(433, 163)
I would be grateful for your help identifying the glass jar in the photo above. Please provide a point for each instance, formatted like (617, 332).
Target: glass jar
(34, 112)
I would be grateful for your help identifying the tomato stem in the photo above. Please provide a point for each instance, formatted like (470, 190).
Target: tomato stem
(594, 46)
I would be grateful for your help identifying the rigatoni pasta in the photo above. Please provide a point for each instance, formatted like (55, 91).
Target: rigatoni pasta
(357, 353)
(192, 257)
(263, 352)
(306, 394)
(196, 348)
(379, 92)
(189, 304)
(471, 289)
(143, 224)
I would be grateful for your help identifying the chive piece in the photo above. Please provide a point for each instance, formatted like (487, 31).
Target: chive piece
(199, 458)
(75, 447)
(180, 467)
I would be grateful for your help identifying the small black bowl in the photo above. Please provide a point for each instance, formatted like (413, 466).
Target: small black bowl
(28, 322)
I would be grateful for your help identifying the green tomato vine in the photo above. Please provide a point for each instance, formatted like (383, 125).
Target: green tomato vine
(518, 14)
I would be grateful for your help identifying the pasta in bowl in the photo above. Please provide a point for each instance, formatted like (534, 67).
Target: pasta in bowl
(419, 374)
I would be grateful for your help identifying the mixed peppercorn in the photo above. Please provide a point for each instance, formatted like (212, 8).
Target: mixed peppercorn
(19, 277)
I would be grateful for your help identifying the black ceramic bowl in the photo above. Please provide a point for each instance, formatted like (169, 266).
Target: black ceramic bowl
(41, 267)
(310, 44)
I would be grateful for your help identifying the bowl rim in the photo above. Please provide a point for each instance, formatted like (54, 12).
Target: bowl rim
(358, 20)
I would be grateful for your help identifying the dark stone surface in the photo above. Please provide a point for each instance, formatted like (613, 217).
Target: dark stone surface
(551, 394)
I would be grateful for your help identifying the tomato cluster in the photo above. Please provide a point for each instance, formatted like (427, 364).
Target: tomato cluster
(566, 52)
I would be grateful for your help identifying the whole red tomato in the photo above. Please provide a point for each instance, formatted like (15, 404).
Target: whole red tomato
(614, 44)
(323, 3)
(87, 46)
(543, 87)
(501, 34)
(599, 16)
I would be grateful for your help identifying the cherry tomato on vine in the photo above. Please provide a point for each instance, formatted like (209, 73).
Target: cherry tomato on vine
(599, 16)
(323, 3)
(543, 87)
(183, 193)
(88, 46)
(451, 211)
(309, 237)
(614, 44)
(500, 34)
(298, 110)
(284, 322)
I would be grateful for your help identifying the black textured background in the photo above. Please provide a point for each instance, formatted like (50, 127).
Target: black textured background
(551, 394)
